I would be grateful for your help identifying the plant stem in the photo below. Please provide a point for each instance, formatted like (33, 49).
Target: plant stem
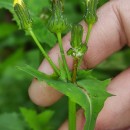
(75, 66)
(43, 51)
(72, 115)
(63, 56)
(88, 33)
(72, 105)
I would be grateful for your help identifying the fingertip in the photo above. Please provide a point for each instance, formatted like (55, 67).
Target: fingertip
(43, 95)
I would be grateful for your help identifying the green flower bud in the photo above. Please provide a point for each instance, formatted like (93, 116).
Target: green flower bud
(22, 14)
(76, 36)
(78, 48)
(58, 23)
(90, 15)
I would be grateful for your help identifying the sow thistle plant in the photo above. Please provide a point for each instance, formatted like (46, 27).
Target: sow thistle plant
(78, 85)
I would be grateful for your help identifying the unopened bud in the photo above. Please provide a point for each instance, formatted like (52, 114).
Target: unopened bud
(90, 15)
(76, 36)
(58, 23)
(22, 14)
(78, 48)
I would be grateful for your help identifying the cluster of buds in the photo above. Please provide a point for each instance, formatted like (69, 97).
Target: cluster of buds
(58, 23)
(22, 14)
(78, 48)
(90, 14)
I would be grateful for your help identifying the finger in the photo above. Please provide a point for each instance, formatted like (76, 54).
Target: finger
(80, 120)
(43, 95)
(108, 35)
(116, 112)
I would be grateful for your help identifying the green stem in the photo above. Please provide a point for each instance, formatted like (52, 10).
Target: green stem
(63, 56)
(75, 66)
(88, 33)
(72, 105)
(43, 52)
(72, 115)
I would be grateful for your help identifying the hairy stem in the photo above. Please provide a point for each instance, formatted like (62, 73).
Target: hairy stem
(43, 52)
(63, 56)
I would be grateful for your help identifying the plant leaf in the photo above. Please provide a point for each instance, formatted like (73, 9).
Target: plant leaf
(69, 89)
(96, 93)
(35, 73)
(82, 74)
(90, 93)
(37, 121)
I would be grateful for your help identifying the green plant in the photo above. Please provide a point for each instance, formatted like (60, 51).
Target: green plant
(79, 85)
(85, 82)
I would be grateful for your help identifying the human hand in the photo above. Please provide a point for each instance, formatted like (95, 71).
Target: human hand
(109, 35)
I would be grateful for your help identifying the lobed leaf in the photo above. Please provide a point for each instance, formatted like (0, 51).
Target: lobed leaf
(37, 121)
(96, 94)
(90, 93)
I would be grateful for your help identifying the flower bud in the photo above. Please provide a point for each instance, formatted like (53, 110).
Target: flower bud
(78, 48)
(58, 23)
(22, 14)
(76, 36)
(90, 15)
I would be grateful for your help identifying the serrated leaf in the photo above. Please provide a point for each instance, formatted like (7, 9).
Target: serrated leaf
(91, 98)
(69, 89)
(11, 121)
(96, 93)
(82, 74)
(37, 121)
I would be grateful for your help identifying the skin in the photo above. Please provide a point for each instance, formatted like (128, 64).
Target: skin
(109, 35)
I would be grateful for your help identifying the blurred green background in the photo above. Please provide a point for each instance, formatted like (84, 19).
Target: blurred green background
(17, 112)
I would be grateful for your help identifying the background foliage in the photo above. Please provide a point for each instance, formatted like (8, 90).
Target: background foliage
(17, 112)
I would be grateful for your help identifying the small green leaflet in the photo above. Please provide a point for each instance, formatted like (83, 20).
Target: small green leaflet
(37, 121)
(90, 93)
